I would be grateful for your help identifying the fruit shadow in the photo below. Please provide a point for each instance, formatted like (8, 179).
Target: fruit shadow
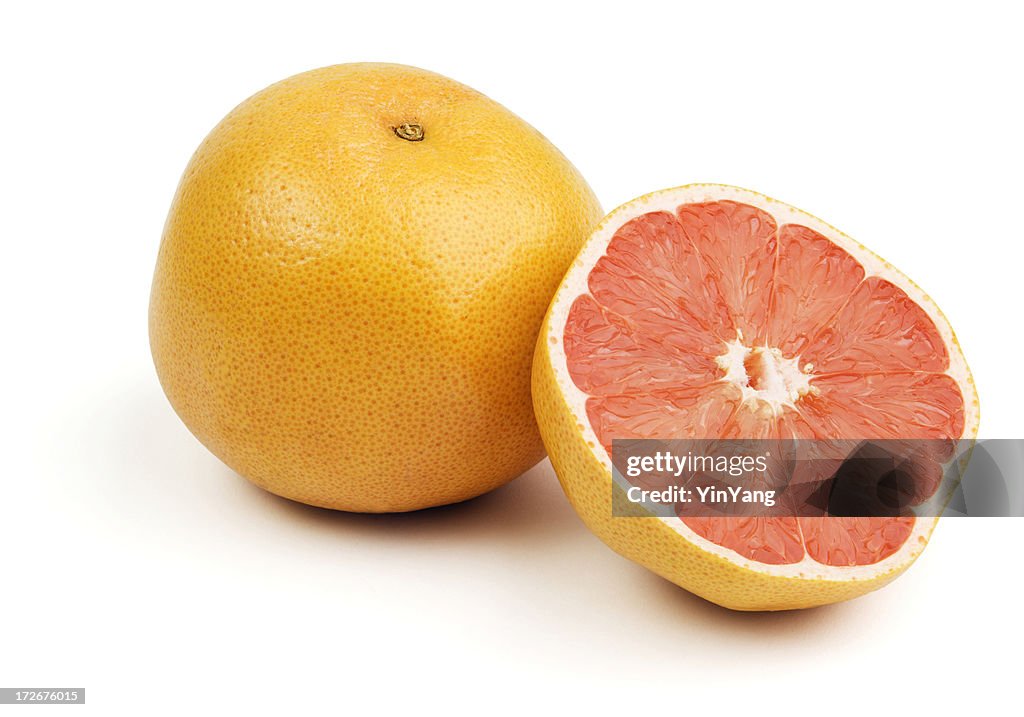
(532, 508)
(534, 512)
(683, 608)
(528, 520)
(145, 437)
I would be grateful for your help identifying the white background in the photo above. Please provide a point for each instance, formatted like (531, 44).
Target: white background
(134, 564)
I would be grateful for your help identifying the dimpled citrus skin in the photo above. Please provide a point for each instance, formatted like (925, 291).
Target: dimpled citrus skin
(346, 317)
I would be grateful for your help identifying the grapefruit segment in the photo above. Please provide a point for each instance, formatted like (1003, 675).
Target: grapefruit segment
(610, 355)
(773, 541)
(854, 541)
(687, 410)
(885, 406)
(813, 280)
(652, 276)
(737, 245)
(710, 312)
(879, 329)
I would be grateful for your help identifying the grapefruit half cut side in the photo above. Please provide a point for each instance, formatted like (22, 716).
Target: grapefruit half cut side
(709, 311)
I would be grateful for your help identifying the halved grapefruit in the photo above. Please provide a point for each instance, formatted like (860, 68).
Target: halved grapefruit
(709, 311)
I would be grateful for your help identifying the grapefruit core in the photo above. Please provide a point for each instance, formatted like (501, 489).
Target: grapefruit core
(709, 311)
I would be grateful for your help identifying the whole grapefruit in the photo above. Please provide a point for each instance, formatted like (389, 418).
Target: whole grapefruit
(351, 279)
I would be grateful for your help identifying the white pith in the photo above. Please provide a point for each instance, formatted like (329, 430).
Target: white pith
(786, 380)
(782, 382)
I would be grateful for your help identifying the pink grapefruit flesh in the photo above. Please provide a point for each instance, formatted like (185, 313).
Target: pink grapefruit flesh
(717, 319)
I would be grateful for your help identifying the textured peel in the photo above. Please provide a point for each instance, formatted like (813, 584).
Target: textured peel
(344, 310)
